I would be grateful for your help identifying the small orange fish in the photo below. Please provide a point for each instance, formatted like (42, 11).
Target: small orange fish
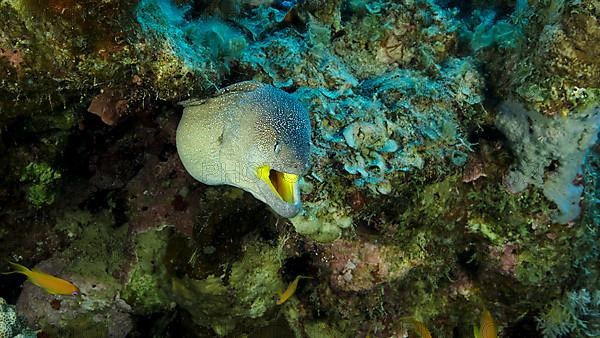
(487, 326)
(290, 290)
(420, 328)
(51, 284)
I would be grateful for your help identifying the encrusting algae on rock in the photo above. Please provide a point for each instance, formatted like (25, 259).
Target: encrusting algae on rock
(454, 166)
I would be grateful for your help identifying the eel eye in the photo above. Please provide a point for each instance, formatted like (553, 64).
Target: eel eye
(277, 148)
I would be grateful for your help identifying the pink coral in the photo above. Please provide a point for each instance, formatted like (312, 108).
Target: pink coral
(155, 203)
(507, 257)
(110, 105)
(473, 170)
(13, 56)
(359, 265)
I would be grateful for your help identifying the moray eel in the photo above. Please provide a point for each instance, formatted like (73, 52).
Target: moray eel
(252, 136)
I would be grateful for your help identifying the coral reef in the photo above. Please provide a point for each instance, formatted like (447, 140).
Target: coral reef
(88, 262)
(455, 168)
(357, 266)
(238, 302)
(577, 313)
(198, 50)
(11, 324)
(550, 153)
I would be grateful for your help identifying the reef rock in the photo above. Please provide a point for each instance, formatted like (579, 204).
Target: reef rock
(12, 324)
(359, 265)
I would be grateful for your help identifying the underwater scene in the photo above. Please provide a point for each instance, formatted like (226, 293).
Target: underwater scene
(299, 168)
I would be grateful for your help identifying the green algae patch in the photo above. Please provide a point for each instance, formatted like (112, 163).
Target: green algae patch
(82, 325)
(91, 261)
(399, 111)
(437, 198)
(207, 301)
(255, 280)
(323, 329)
(41, 179)
(239, 300)
(146, 288)
(480, 226)
(96, 252)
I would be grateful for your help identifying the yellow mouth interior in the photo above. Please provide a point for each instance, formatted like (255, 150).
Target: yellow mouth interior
(282, 184)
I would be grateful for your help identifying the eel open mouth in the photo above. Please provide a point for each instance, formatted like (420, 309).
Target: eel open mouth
(284, 185)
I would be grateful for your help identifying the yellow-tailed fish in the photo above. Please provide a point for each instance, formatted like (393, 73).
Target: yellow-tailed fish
(290, 290)
(51, 284)
(421, 329)
(418, 327)
(487, 326)
(476, 333)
